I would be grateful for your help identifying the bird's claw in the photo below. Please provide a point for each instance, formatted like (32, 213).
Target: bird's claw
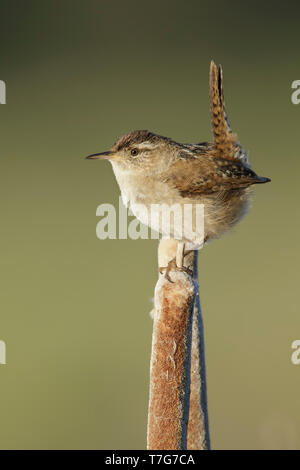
(173, 266)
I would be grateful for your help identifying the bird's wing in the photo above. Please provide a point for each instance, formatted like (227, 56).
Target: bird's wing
(226, 143)
(207, 174)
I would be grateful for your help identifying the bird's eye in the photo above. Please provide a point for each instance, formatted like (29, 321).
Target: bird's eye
(134, 152)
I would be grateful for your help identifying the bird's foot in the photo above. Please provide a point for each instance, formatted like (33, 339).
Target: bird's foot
(172, 266)
(185, 253)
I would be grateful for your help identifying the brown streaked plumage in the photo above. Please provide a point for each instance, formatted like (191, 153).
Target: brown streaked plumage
(152, 169)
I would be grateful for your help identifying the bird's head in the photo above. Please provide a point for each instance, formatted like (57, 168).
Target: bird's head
(140, 151)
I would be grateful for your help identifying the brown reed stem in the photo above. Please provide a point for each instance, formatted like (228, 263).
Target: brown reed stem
(174, 390)
(198, 426)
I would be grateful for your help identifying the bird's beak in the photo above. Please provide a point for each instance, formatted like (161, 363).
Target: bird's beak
(101, 156)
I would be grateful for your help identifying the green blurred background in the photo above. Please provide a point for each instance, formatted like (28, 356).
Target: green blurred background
(74, 309)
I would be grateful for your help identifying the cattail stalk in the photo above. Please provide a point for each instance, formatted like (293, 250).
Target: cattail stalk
(198, 427)
(177, 373)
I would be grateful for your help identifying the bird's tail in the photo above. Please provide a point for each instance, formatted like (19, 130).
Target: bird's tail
(225, 141)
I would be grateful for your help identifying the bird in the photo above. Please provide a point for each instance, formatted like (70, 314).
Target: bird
(153, 170)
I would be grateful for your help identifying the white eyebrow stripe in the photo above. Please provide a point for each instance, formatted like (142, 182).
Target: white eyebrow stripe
(147, 145)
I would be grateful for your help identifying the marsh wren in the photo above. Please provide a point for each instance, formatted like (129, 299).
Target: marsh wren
(151, 169)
